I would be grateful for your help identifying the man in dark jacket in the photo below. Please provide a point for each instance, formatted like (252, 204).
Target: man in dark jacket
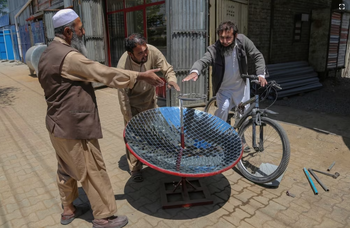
(73, 122)
(228, 57)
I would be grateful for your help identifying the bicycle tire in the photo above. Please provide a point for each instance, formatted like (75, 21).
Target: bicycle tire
(211, 107)
(271, 163)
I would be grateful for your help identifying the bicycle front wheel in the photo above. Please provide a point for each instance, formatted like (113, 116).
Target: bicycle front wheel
(266, 151)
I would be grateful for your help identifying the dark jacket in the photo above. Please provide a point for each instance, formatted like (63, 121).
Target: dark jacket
(214, 57)
(71, 105)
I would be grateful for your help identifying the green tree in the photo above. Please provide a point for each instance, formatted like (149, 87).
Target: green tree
(3, 7)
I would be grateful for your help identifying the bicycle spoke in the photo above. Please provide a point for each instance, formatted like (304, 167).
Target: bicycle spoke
(261, 162)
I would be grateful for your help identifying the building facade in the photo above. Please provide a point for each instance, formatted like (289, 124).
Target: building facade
(283, 30)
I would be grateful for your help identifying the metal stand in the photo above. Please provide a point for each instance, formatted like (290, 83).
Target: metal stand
(185, 193)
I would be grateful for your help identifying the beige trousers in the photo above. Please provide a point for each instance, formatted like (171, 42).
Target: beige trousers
(81, 160)
(134, 163)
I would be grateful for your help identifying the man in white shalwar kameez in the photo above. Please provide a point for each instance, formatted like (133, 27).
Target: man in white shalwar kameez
(228, 56)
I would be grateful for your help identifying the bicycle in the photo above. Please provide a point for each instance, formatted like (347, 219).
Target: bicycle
(266, 149)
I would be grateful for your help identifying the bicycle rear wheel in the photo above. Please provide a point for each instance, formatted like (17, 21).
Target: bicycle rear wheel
(270, 157)
(211, 108)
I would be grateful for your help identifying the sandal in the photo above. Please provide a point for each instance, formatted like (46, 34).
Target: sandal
(66, 219)
(137, 176)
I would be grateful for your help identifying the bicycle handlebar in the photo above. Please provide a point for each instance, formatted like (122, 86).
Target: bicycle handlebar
(254, 77)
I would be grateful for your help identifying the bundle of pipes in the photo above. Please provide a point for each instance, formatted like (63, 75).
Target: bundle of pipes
(294, 77)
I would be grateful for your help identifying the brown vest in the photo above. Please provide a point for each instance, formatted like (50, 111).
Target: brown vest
(72, 110)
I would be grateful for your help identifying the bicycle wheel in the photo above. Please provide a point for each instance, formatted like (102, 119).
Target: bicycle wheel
(270, 157)
(211, 108)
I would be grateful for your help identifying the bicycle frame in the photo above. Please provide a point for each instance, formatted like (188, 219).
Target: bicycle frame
(255, 113)
(252, 124)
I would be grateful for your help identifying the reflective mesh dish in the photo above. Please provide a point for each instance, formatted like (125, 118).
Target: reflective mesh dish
(211, 145)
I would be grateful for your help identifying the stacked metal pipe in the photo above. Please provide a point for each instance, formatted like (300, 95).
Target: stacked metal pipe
(294, 77)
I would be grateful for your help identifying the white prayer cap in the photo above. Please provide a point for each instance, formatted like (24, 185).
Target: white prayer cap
(64, 17)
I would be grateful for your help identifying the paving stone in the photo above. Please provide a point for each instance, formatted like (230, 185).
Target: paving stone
(326, 222)
(28, 166)
(5, 218)
(235, 217)
(45, 222)
(339, 214)
(259, 219)
(275, 224)
(304, 221)
(222, 223)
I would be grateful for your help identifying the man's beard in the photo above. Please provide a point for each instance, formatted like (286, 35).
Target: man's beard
(226, 51)
(78, 43)
(139, 62)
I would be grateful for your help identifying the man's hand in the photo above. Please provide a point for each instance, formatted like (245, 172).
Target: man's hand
(262, 81)
(173, 84)
(151, 78)
(192, 76)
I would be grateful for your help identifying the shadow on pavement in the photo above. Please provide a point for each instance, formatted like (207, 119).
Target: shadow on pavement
(321, 122)
(83, 202)
(146, 196)
(271, 185)
(325, 110)
(6, 95)
(123, 163)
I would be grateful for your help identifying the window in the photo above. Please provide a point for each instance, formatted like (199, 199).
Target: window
(156, 27)
(125, 17)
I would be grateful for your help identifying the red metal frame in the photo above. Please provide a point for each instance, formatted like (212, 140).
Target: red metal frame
(177, 173)
(126, 10)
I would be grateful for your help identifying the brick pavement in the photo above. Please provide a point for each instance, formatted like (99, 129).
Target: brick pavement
(29, 196)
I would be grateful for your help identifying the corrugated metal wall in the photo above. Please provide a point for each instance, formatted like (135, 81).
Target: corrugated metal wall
(50, 34)
(15, 42)
(24, 32)
(39, 5)
(68, 3)
(14, 7)
(93, 22)
(38, 32)
(91, 14)
(187, 32)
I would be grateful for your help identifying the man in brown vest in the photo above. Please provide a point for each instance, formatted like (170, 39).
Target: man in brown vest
(73, 122)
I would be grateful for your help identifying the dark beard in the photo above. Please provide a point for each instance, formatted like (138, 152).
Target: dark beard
(78, 43)
(226, 51)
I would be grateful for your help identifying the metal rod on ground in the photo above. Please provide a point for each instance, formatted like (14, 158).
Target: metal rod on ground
(311, 182)
(335, 175)
(318, 180)
(331, 166)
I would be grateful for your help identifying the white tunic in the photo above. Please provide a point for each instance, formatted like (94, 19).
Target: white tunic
(233, 89)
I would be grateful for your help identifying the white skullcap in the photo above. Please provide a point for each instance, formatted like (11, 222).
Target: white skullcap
(64, 17)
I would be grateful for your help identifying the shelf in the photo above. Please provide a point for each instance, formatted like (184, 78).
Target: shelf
(338, 39)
